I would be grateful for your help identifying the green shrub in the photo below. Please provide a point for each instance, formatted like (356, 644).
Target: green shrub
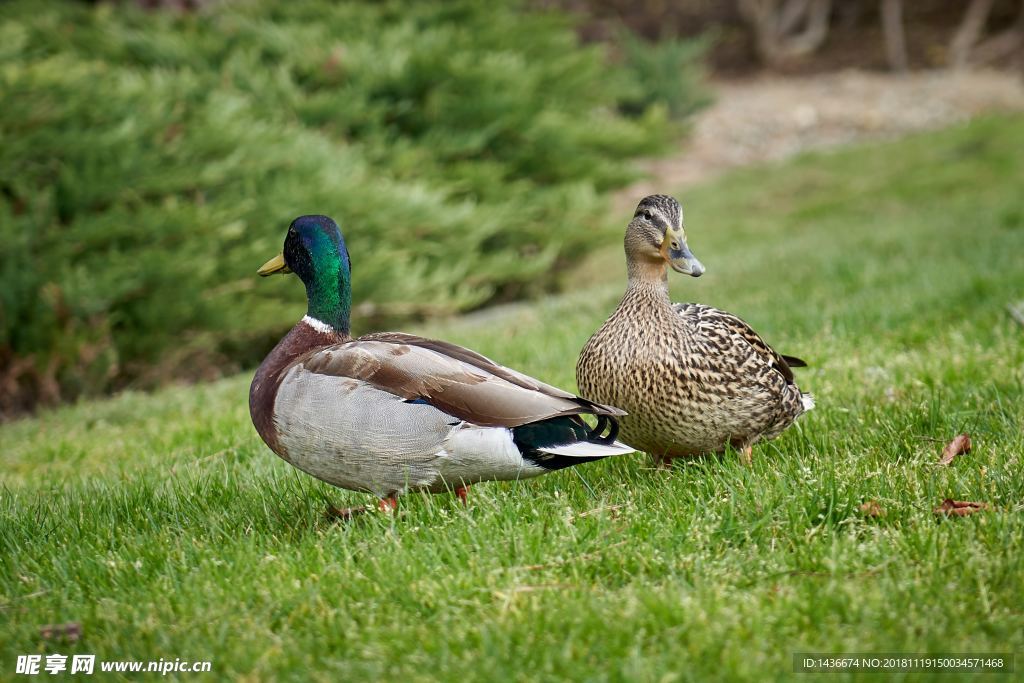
(662, 72)
(149, 162)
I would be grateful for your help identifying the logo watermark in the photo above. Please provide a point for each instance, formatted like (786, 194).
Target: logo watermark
(52, 664)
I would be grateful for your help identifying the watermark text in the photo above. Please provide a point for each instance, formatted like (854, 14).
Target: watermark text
(52, 664)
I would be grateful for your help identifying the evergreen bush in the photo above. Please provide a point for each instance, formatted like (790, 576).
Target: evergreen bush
(149, 162)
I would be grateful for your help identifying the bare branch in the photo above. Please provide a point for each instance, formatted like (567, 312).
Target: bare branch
(776, 22)
(790, 15)
(817, 30)
(895, 41)
(970, 30)
(1001, 44)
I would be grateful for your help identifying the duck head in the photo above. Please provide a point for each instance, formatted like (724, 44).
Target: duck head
(656, 236)
(315, 250)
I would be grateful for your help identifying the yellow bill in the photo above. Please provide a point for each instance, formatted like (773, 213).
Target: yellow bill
(274, 266)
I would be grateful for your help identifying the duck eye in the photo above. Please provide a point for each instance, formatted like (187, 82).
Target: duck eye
(647, 215)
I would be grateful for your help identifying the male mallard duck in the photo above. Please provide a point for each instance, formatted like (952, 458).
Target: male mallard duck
(693, 379)
(390, 412)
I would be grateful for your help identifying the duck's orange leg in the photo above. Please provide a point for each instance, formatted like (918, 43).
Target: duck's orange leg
(747, 455)
(462, 492)
(389, 504)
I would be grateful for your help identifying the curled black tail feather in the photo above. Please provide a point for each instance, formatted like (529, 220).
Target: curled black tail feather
(532, 438)
(604, 422)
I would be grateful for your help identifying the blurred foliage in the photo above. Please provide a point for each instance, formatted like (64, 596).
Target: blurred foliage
(855, 31)
(149, 162)
(663, 72)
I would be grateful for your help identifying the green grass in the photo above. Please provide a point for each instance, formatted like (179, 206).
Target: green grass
(167, 529)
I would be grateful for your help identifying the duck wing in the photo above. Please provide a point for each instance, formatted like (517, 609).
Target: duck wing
(453, 379)
(715, 322)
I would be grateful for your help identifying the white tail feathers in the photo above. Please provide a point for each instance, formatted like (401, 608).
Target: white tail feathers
(588, 449)
(808, 401)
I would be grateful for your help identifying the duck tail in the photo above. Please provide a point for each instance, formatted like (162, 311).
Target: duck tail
(808, 401)
(588, 449)
(567, 440)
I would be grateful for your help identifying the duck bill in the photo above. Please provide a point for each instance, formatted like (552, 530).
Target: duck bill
(274, 266)
(679, 256)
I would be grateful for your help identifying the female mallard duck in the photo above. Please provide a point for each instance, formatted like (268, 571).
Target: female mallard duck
(692, 379)
(390, 412)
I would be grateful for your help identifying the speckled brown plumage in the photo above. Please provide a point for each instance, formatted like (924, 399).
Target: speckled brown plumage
(693, 379)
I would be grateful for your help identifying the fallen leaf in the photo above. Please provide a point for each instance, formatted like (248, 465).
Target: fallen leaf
(871, 508)
(69, 632)
(958, 446)
(959, 508)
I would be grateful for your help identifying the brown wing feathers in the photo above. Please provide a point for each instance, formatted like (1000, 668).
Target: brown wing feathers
(454, 379)
(740, 328)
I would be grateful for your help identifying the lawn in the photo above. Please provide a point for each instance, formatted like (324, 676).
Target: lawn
(164, 526)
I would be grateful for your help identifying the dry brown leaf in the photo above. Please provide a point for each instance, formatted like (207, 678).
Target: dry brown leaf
(958, 508)
(871, 508)
(69, 632)
(958, 446)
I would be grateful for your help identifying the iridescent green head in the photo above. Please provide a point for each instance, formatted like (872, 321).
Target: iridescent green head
(315, 251)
